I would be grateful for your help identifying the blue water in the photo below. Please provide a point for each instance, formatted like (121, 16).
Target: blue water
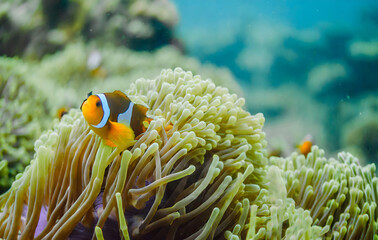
(297, 13)
(297, 64)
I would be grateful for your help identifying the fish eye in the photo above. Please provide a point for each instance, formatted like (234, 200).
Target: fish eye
(98, 103)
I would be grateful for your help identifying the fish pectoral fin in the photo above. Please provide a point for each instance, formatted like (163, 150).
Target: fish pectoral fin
(110, 143)
(121, 135)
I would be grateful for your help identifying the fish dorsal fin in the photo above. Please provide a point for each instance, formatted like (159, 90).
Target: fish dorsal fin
(143, 109)
(121, 94)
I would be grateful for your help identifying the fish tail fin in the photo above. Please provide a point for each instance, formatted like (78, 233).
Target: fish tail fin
(121, 135)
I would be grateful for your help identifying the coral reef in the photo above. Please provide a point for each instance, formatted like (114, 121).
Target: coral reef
(34, 28)
(138, 25)
(23, 116)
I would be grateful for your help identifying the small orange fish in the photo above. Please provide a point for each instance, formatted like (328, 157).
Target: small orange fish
(61, 112)
(115, 118)
(305, 147)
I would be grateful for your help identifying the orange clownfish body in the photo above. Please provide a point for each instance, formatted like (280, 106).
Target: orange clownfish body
(61, 112)
(305, 147)
(115, 118)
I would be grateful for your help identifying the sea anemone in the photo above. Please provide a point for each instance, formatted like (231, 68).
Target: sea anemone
(196, 180)
(198, 172)
(339, 194)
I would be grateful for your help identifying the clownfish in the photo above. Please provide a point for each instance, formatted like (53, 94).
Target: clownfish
(305, 147)
(115, 118)
(61, 112)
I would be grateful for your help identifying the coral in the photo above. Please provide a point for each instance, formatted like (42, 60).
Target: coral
(324, 77)
(364, 49)
(191, 181)
(162, 10)
(139, 25)
(34, 28)
(340, 194)
(262, 42)
(23, 116)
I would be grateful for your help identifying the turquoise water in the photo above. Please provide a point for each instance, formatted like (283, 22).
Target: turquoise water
(299, 14)
(310, 66)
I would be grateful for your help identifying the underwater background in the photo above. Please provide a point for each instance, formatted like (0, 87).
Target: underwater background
(310, 67)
